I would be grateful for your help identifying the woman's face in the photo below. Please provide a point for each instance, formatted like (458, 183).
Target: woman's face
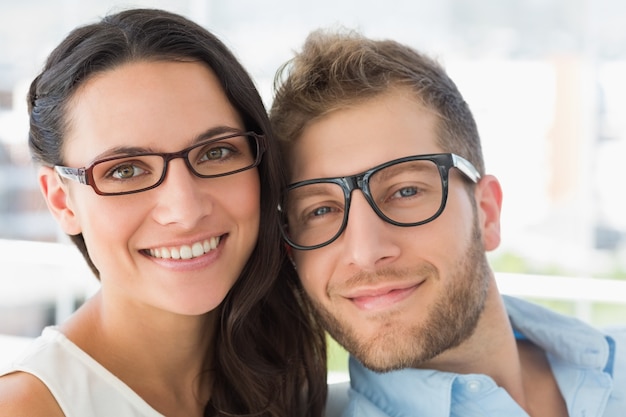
(159, 107)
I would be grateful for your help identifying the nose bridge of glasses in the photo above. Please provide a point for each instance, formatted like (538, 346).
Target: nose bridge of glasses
(354, 182)
(169, 157)
(179, 179)
(359, 182)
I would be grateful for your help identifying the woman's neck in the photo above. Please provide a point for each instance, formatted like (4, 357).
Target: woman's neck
(164, 357)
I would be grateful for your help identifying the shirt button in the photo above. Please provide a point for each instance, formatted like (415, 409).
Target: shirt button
(474, 385)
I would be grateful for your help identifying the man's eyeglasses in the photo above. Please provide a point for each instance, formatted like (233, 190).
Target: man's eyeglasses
(409, 191)
(139, 172)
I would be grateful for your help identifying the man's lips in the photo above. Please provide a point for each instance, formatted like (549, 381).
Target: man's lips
(381, 298)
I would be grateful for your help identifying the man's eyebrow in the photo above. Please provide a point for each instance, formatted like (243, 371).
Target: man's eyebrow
(122, 151)
(316, 189)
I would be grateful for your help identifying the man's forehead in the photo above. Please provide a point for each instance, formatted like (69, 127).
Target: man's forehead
(354, 139)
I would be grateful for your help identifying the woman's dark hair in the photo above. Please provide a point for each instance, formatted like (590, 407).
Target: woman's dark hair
(270, 357)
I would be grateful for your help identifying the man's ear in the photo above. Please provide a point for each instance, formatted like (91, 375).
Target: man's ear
(55, 194)
(488, 194)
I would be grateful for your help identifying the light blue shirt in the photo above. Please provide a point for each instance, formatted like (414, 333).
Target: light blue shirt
(589, 367)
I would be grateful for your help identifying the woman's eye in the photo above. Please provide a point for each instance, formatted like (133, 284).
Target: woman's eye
(124, 172)
(215, 154)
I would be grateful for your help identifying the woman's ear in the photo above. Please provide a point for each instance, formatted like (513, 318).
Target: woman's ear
(56, 195)
(488, 194)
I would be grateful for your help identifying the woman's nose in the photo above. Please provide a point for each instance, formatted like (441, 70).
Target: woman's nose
(180, 198)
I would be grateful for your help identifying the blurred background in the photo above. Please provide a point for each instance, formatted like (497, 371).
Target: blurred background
(545, 80)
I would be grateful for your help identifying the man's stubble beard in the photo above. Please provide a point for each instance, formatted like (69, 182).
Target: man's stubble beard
(452, 318)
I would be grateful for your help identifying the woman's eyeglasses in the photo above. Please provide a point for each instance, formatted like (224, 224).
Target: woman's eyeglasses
(139, 172)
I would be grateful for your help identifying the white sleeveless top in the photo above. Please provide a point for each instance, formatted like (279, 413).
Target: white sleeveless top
(81, 386)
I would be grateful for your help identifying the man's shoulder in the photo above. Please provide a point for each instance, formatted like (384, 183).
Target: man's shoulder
(616, 332)
(617, 368)
(617, 336)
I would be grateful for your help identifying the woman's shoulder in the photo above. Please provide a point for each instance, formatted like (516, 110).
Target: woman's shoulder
(23, 394)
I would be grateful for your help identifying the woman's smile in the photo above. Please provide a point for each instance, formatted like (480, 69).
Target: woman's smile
(185, 251)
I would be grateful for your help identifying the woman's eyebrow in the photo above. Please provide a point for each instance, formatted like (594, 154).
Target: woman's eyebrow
(216, 131)
(122, 151)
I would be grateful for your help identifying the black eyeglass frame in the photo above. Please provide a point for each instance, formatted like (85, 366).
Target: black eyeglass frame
(85, 175)
(348, 184)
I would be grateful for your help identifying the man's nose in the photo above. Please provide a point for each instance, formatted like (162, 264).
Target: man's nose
(367, 239)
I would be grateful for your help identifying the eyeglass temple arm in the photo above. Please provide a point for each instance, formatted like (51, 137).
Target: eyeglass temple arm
(465, 167)
(74, 174)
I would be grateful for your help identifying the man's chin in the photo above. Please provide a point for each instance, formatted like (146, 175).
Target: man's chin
(384, 352)
(376, 365)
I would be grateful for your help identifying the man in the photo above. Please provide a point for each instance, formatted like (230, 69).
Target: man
(389, 215)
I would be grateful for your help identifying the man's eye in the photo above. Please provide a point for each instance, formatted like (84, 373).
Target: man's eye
(406, 192)
(320, 211)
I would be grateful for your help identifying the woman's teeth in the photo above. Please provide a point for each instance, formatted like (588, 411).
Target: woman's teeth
(186, 251)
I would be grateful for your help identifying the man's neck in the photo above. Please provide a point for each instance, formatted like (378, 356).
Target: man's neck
(518, 366)
(541, 391)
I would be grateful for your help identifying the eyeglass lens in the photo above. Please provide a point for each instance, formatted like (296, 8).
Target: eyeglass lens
(407, 192)
(215, 158)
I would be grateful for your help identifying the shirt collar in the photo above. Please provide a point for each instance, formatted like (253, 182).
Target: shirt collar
(398, 390)
(564, 338)
(427, 393)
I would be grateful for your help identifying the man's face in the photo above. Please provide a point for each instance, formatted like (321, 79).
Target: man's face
(394, 297)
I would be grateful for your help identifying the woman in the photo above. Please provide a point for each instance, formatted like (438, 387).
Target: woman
(157, 161)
